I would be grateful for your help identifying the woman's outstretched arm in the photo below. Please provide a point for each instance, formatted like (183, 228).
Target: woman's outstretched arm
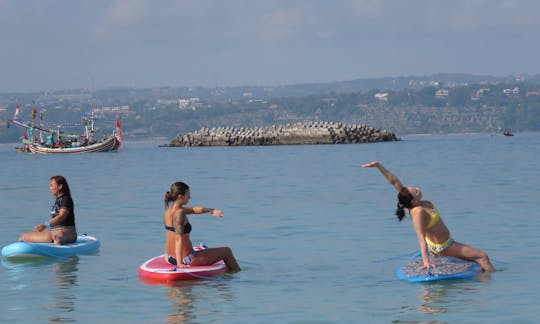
(202, 210)
(392, 179)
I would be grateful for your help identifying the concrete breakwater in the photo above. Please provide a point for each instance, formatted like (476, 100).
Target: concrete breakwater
(289, 134)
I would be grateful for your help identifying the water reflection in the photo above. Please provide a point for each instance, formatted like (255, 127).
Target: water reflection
(188, 296)
(433, 299)
(64, 299)
(59, 287)
(182, 298)
(438, 298)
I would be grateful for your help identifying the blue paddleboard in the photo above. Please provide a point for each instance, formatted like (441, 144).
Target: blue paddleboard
(445, 268)
(84, 244)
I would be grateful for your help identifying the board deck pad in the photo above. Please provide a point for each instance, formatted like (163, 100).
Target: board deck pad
(445, 268)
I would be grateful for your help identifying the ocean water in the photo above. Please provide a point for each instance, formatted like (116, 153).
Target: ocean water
(314, 232)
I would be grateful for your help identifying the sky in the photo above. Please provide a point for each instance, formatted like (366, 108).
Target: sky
(62, 44)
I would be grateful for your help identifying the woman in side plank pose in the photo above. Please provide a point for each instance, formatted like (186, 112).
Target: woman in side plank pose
(430, 229)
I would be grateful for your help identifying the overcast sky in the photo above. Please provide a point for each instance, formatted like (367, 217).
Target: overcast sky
(51, 45)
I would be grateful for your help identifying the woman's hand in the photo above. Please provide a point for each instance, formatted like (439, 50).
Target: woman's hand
(217, 213)
(392, 179)
(370, 164)
(40, 227)
(428, 267)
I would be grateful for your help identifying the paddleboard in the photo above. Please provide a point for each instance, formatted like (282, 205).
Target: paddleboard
(158, 269)
(21, 250)
(445, 268)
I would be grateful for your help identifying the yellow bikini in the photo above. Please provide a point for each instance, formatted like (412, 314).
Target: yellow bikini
(436, 248)
(435, 216)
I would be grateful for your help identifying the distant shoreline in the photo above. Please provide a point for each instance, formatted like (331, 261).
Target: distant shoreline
(161, 139)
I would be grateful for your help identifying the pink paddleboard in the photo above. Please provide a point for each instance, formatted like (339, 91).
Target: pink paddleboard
(158, 269)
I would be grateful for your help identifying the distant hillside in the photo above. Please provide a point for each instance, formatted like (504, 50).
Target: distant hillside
(442, 103)
(368, 84)
(127, 95)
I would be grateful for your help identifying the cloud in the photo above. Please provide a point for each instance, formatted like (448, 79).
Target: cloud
(367, 7)
(126, 12)
(4, 6)
(467, 15)
(281, 24)
(121, 19)
(261, 41)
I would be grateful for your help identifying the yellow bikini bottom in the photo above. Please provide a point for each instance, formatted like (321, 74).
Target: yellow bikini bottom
(437, 248)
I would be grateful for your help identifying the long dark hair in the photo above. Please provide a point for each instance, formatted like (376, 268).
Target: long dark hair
(60, 180)
(177, 188)
(405, 199)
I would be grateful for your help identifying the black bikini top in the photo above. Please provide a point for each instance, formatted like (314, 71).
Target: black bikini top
(187, 228)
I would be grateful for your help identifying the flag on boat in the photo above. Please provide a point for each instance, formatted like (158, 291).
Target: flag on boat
(119, 128)
(16, 111)
(34, 110)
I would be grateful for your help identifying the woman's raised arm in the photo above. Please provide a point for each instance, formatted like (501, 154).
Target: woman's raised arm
(392, 179)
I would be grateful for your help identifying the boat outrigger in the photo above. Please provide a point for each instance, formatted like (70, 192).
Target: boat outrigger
(47, 138)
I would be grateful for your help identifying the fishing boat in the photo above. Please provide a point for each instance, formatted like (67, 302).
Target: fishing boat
(508, 132)
(106, 145)
(48, 138)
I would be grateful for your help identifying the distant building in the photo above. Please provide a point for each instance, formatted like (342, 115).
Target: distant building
(532, 93)
(329, 101)
(511, 92)
(479, 93)
(257, 101)
(164, 102)
(124, 110)
(442, 93)
(381, 96)
(189, 104)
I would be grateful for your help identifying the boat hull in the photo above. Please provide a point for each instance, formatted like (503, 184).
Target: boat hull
(107, 145)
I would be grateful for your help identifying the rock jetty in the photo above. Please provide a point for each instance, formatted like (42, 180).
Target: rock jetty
(289, 134)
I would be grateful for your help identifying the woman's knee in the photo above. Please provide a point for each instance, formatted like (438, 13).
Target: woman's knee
(228, 250)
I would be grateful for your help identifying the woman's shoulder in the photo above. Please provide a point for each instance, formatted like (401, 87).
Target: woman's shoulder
(417, 210)
(422, 209)
(178, 212)
(427, 204)
(64, 200)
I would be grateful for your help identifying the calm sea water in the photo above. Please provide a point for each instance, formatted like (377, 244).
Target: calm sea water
(314, 232)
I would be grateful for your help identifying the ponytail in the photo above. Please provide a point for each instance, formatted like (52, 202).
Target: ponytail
(405, 199)
(400, 212)
(167, 199)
